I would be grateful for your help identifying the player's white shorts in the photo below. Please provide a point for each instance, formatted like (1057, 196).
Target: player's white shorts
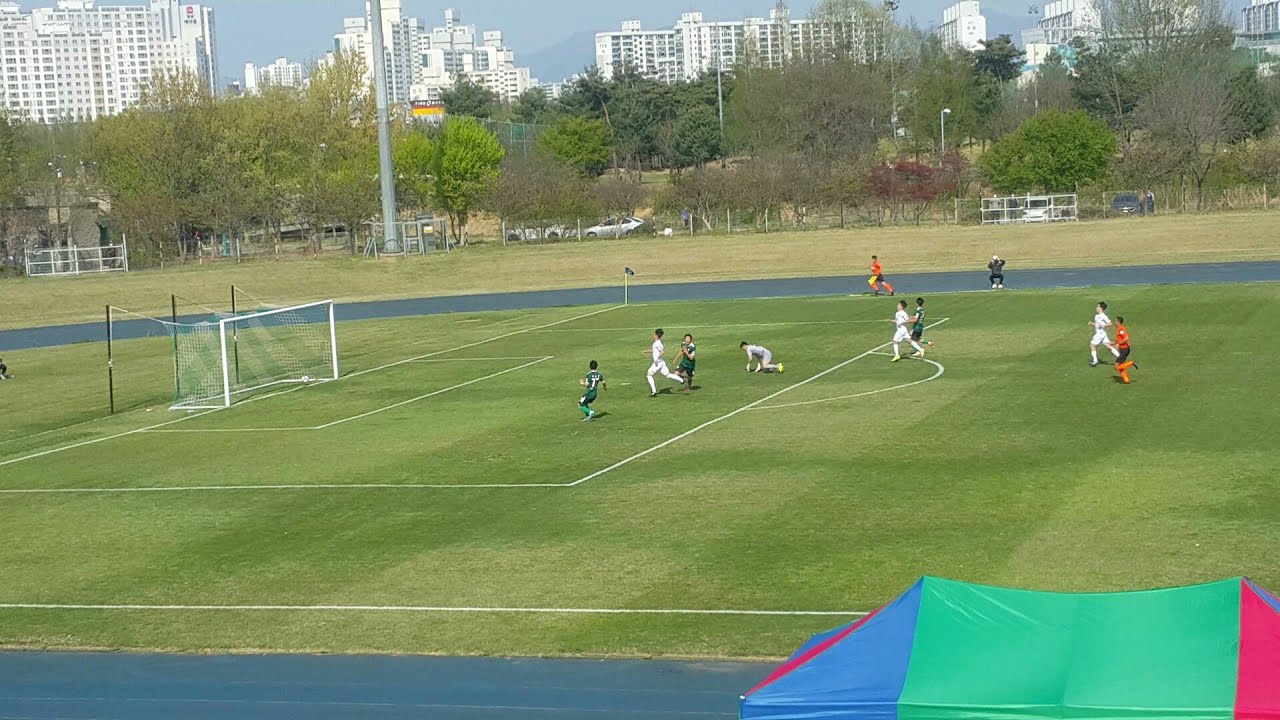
(766, 359)
(659, 368)
(1099, 338)
(902, 335)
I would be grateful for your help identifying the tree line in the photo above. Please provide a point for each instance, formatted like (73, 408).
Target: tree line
(1157, 94)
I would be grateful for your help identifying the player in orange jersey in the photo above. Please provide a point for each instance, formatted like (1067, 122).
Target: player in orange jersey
(877, 278)
(1123, 363)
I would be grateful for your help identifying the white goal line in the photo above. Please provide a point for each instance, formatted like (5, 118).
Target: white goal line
(116, 436)
(431, 609)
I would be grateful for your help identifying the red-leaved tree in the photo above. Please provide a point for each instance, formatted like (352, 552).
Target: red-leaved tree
(904, 189)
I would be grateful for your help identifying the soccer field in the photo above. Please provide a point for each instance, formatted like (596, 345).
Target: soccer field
(445, 497)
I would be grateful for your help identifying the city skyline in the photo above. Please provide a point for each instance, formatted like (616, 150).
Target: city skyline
(554, 36)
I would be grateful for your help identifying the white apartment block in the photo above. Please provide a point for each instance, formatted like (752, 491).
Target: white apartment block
(696, 46)
(963, 26)
(78, 61)
(1260, 26)
(1065, 20)
(280, 73)
(422, 63)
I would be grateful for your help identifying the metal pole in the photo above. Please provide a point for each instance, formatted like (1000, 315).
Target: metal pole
(720, 89)
(626, 289)
(235, 335)
(111, 380)
(124, 245)
(384, 123)
(173, 330)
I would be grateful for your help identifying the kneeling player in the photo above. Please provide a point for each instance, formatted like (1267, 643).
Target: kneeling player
(763, 357)
(4, 371)
(687, 362)
(593, 381)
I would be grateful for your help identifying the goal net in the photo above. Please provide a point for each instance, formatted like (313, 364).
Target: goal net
(234, 354)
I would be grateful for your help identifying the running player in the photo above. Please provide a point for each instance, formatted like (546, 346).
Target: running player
(1123, 363)
(659, 366)
(1100, 324)
(902, 334)
(763, 357)
(877, 276)
(917, 327)
(687, 362)
(593, 381)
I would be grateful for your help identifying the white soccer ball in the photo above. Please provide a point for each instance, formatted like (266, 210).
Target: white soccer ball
(306, 378)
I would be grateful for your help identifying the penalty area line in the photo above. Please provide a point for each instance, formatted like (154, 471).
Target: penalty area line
(734, 413)
(430, 609)
(116, 436)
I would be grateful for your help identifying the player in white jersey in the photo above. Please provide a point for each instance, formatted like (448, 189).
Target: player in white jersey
(659, 363)
(903, 332)
(762, 356)
(1100, 324)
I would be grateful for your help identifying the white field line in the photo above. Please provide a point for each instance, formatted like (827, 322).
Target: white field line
(410, 401)
(935, 376)
(734, 413)
(247, 488)
(716, 326)
(468, 329)
(480, 359)
(433, 609)
(311, 428)
(95, 441)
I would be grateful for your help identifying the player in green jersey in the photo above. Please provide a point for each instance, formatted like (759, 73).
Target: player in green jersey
(917, 327)
(592, 382)
(687, 362)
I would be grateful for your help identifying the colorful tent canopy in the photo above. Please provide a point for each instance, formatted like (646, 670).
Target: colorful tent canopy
(948, 650)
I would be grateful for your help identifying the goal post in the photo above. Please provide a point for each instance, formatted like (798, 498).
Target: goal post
(232, 355)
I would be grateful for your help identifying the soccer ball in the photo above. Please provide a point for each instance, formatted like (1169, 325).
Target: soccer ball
(306, 378)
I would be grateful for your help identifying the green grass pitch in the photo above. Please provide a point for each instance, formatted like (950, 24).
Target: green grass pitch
(1007, 460)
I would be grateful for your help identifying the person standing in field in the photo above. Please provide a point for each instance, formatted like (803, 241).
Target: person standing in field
(687, 362)
(592, 382)
(917, 326)
(902, 334)
(1121, 345)
(996, 266)
(877, 278)
(659, 366)
(1100, 324)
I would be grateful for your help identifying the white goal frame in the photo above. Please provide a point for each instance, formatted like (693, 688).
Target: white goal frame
(226, 324)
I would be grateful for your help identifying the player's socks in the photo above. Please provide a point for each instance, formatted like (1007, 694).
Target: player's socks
(1125, 366)
(1124, 375)
(653, 387)
(888, 287)
(1095, 356)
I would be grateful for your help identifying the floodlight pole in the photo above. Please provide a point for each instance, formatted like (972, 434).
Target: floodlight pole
(385, 168)
(942, 118)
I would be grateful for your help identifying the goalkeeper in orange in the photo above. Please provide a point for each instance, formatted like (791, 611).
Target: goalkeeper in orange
(877, 278)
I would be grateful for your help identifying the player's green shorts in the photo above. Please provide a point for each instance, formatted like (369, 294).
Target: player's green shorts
(687, 366)
(589, 398)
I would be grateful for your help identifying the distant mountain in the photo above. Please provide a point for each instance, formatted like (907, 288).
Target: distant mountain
(567, 57)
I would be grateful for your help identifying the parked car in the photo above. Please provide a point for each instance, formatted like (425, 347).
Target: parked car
(551, 232)
(614, 227)
(1127, 203)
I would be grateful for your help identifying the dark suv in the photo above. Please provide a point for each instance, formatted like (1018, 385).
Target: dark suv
(1127, 203)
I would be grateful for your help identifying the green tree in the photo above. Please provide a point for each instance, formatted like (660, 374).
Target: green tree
(999, 59)
(413, 156)
(580, 142)
(1052, 152)
(1252, 111)
(465, 161)
(695, 138)
(468, 98)
(533, 107)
